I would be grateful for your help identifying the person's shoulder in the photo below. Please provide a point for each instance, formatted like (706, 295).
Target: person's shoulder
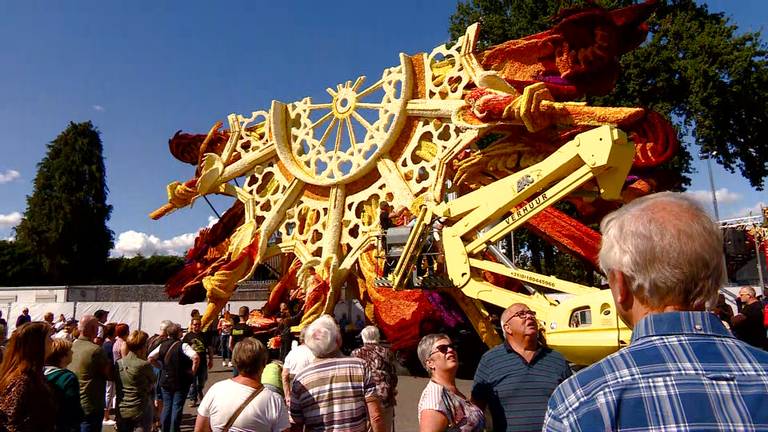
(603, 376)
(19, 383)
(498, 350)
(432, 391)
(348, 361)
(86, 346)
(225, 386)
(555, 355)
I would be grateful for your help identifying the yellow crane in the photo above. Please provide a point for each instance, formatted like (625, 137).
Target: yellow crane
(584, 327)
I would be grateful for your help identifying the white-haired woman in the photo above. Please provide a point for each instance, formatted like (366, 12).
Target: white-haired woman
(442, 406)
(381, 362)
(242, 402)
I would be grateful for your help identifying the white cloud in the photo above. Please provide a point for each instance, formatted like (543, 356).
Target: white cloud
(10, 220)
(9, 176)
(132, 243)
(99, 108)
(723, 195)
(755, 210)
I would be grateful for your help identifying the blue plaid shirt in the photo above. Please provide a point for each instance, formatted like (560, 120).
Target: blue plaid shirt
(682, 371)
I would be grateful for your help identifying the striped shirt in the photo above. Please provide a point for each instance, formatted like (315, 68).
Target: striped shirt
(462, 415)
(330, 395)
(682, 371)
(515, 391)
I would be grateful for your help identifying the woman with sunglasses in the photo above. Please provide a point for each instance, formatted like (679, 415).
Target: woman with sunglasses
(442, 406)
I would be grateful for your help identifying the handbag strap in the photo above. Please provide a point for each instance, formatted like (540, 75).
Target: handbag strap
(167, 357)
(448, 402)
(240, 409)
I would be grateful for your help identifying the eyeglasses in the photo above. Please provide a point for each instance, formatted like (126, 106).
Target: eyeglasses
(522, 314)
(443, 349)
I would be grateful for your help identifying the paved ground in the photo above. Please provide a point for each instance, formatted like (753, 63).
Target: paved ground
(409, 390)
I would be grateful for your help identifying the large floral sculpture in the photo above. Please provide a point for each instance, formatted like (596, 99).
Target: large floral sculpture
(314, 172)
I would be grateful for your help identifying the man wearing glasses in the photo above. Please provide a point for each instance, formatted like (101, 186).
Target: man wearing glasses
(515, 379)
(663, 257)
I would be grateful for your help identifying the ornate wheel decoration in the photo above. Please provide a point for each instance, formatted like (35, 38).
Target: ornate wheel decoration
(339, 141)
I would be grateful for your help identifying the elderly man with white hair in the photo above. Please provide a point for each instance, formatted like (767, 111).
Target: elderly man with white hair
(381, 363)
(335, 392)
(663, 257)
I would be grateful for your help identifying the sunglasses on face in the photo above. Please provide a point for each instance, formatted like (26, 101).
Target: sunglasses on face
(443, 349)
(522, 314)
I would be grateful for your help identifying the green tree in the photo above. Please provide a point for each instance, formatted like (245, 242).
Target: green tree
(156, 269)
(65, 223)
(695, 68)
(18, 266)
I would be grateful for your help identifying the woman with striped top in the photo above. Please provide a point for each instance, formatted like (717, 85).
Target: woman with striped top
(442, 406)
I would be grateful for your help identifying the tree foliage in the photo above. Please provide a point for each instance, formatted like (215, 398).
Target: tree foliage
(156, 269)
(19, 266)
(65, 223)
(696, 68)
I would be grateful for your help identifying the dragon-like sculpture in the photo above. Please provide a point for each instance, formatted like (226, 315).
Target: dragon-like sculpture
(436, 125)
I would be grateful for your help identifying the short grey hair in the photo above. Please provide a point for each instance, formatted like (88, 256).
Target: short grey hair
(668, 248)
(164, 324)
(323, 336)
(425, 347)
(370, 334)
(751, 291)
(173, 330)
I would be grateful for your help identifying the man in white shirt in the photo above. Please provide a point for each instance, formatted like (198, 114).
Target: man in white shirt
(296, 360)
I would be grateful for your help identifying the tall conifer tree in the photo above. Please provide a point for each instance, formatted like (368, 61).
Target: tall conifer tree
(65, 224)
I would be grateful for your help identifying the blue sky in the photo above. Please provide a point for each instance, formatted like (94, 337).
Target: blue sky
(142, 70)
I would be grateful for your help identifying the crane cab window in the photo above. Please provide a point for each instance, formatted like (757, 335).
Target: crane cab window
(580, 317)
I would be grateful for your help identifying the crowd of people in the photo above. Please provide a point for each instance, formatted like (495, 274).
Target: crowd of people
(684, 368)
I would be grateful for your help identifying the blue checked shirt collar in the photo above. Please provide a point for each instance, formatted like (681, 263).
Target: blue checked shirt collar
(676, 323)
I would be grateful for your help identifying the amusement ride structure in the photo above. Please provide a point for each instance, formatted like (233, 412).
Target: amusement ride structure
(473, 143)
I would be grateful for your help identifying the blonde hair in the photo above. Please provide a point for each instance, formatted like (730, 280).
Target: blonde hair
(60, 348)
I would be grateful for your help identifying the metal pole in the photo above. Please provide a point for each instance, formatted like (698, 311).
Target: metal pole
(141, 311)
(757, 259)
(512, 245)
(712, 186)
(211, 206)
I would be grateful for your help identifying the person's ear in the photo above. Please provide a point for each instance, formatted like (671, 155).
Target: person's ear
(622, 293)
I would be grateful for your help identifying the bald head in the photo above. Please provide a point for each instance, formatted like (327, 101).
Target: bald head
(89, 326)
(511, 310)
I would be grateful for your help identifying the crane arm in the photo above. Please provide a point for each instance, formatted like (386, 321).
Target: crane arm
(602, 154)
